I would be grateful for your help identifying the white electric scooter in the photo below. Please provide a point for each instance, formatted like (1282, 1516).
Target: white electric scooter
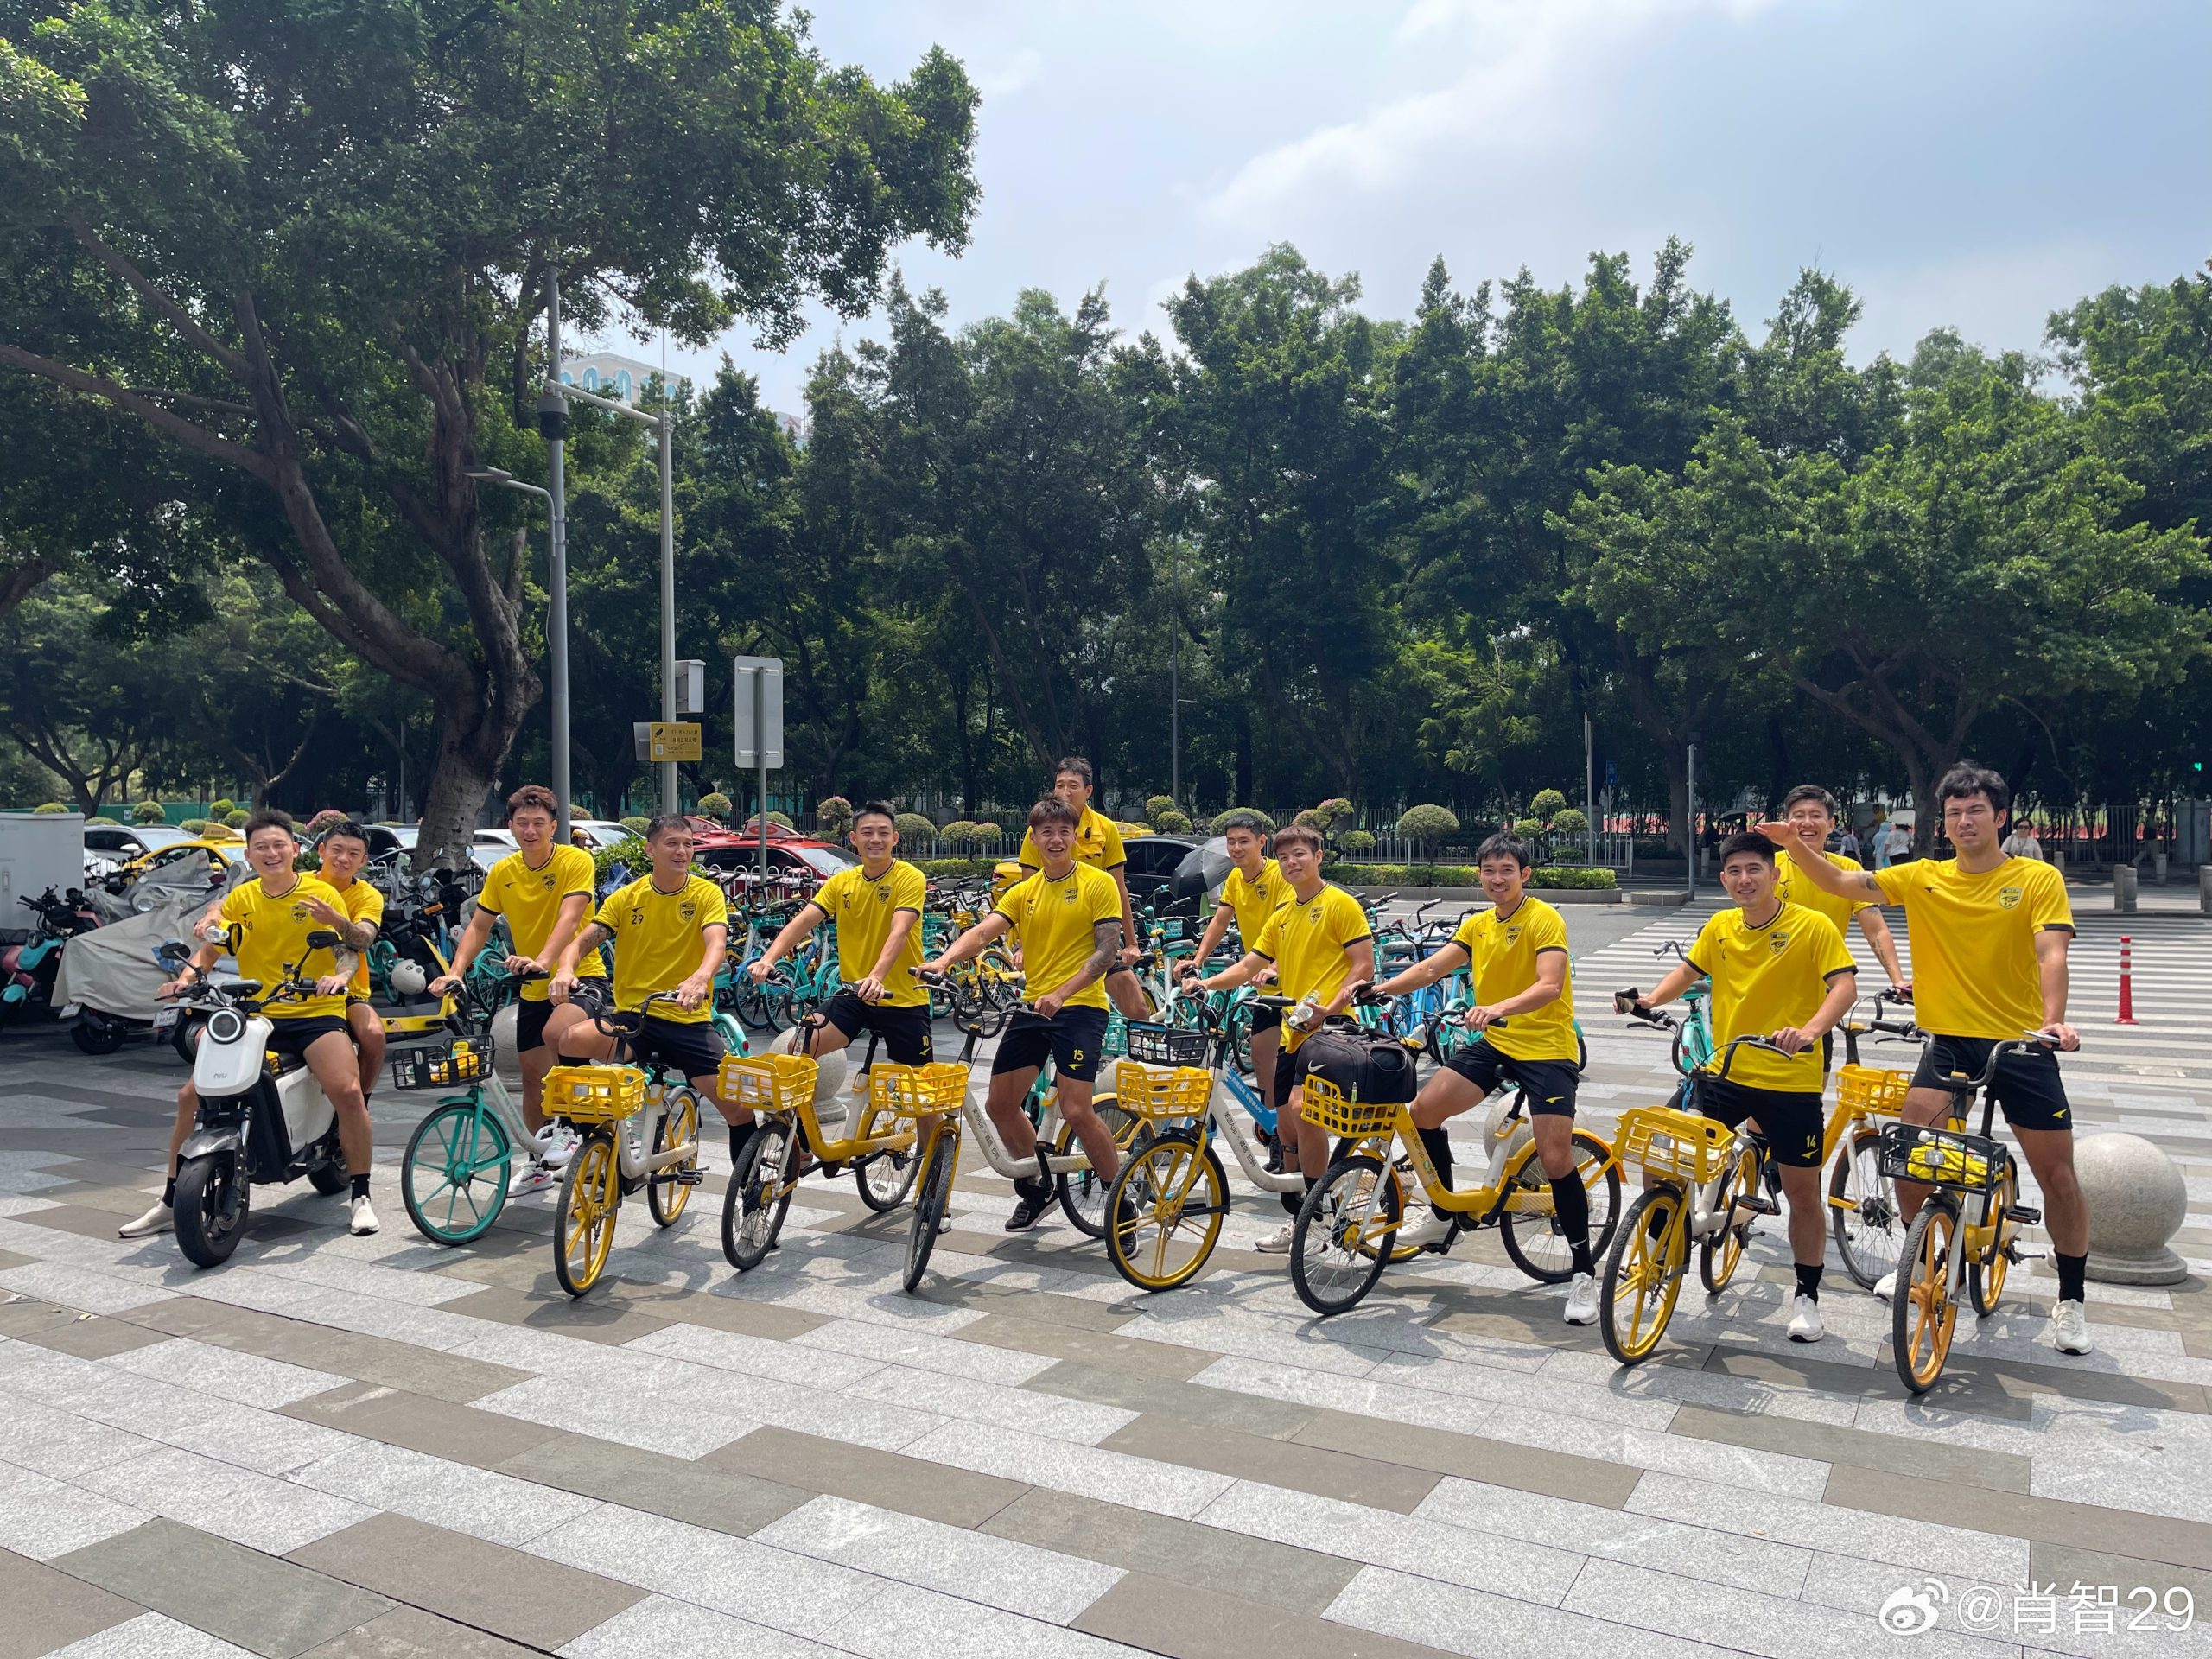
(257, 1124)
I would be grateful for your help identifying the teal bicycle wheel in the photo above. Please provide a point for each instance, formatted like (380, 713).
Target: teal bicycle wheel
(453, 1175)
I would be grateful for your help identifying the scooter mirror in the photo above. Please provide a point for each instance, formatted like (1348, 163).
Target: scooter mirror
(323, 939)
(173, 953)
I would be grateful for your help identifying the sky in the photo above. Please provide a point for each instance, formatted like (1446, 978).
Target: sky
(1975, 165)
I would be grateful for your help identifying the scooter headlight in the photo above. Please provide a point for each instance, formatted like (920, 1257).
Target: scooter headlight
(226, 1024)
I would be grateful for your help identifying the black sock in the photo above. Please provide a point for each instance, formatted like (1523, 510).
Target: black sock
(169, 1192)
(1437, 1144)
(740, 1136)
(1572, 1202)
(1809, 1280)
(1292, 1201)
(360, 1186)
(2071, 1271)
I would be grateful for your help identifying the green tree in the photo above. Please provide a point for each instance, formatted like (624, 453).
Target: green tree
(332, 297)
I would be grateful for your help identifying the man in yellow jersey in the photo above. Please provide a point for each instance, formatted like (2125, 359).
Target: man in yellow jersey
(544, 892)
(1098, 844)
(345, 850)
(1810, 810)
(670, 930)
(1990, 936)
(1524, 1010)
(877, 905)
(270, 918)
(1253, 892)
(1067, 920)
(1780, 971)
(1321, 951)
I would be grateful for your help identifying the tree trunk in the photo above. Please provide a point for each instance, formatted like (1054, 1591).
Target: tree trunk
(1241, 784)
(1673, 762)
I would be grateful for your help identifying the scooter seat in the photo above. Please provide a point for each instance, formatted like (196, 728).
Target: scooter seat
(282, 1066)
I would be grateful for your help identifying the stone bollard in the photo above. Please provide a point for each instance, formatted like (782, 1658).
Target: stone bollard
(2058, 858)
(2204, 888)
(2137, 1202)
(2123, 888)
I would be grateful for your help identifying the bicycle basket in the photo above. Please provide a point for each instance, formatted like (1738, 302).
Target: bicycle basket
(767, 1082)
(448, 1064)
(1673, 1145)
(594, 1094)
(1156, 1091)
(1920, 1151)
(1167, 1046)
(1329, 1107)
(1872, 1089)
(916, 1090)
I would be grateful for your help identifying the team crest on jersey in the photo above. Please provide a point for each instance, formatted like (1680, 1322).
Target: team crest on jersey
(300, 911)
(1778, 942)
(1513, 936)
(2007, 897)
(685, 910)
(546, 880)
(1313, 915)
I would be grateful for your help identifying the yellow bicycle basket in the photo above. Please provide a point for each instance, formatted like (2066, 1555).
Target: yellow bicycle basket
(1673, 1145)
(769, 1083)
(1162, 1091)
(594, 1094)
(916, 1090)
(1327, 1106)
(1872, 1089)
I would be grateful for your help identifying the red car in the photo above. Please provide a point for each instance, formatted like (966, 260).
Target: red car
(790, 853)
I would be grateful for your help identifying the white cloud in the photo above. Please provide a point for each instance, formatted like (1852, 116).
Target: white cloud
(1528, 68)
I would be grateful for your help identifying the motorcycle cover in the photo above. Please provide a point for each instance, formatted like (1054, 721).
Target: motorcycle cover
(112, 968)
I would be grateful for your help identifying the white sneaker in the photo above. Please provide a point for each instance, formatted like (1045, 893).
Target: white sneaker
(1582, 1300)
(553, 1148)
(537, 1175)
(1805, 1324)
(1886, 1285)
(1423, 1226)
(1278, 1242)
(2070, 1329)
(161, 1219)
(364, 1218)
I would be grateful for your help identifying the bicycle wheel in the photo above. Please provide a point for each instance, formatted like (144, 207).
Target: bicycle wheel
(886, 1178)
(1240, 1036)
(1988, 1271)
(668, 1191)
(759, 1196)
(1342, 1236)
(453, 1175)
(1863, 1211)
(1177, 1194)
(1644, 1274)
(1082, 1191)
(1532, 1237)
(584, 1216)
(1922, 1316)
(1718, 1255)
(933, 1193)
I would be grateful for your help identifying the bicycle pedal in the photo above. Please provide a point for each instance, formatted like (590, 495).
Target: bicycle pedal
(1759, 1204)
(2026, 1253)
(2026, 1214)
(690, 1177)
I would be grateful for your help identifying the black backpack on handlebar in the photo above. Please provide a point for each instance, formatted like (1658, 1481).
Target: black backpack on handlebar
(1367, 1065)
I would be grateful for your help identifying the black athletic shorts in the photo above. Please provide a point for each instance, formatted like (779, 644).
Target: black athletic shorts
(530, 1024)
(2027, 1084)
(1290, 1071)
(905, 1031)
(690, 1048)
(290, 1038)
(1789, 1119)
(1547, 1086)
(1265, 1019)
(1072, 1039)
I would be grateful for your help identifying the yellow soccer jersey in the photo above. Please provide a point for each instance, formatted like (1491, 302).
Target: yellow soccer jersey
(1503, 950)
(273, 935)
(1764, 978)
(362, 903)
(1794, 887)
(863, 910)
(1306, 938)
(530, 901)
(1097, 843)
(1974, 972)
(659, 942)
(1253, 902)
(1054, 922)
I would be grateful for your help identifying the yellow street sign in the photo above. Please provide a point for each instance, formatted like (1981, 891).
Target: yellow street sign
(676, 740)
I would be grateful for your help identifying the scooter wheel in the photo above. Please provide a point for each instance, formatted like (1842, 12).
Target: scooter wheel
(96, 1037)
(213, 1202)
(328, 1179)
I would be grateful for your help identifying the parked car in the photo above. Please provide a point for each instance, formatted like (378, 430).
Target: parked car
(816, 861)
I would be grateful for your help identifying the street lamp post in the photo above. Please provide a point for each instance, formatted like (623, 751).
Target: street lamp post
(556, 623)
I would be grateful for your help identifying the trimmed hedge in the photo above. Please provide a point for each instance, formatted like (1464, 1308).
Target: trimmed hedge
(1556, 877)
(147, 812)
(936, 867)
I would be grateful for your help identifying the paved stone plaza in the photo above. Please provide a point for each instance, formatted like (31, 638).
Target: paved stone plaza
(338, 1447)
